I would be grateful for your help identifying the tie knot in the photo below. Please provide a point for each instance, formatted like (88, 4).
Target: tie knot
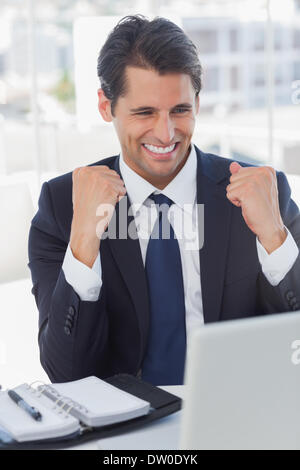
(161, 199)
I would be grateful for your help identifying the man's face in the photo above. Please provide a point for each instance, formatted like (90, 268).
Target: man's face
(158, 111)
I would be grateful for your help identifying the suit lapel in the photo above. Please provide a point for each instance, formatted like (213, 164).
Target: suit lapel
(127, 254)
(217, 215)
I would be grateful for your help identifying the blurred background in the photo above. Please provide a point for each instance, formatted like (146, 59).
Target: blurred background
(49, 123)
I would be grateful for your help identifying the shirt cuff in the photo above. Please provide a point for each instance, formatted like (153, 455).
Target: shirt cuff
(277, 264)
(85, 281)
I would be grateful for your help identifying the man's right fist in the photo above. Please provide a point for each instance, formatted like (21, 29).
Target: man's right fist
(96, 190)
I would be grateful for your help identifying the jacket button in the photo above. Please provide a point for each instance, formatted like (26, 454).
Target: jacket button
(289, 295)
(69, 323)
(293, 301)
(70, 317)
(67, 330)
(71, 311)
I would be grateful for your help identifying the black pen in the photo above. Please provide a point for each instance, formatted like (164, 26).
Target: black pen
(33, 412)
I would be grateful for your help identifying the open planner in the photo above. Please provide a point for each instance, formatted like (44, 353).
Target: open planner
(72, 409)
(89, 401)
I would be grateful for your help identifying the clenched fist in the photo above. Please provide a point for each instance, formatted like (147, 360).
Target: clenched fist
(254, 190)
(94, 188)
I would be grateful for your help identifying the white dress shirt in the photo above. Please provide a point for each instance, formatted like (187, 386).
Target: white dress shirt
(182, 190)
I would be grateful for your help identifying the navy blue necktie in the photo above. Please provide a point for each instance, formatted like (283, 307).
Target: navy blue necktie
(165, 354)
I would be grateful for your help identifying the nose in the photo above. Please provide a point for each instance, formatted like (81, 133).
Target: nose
(164, 129)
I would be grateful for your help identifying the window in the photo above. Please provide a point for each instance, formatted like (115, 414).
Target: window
(297, 5)
(278, 37)
(2, 64)
(211, 79)
(279, 75)
(258, 40)
(296, 38)
(259, 75)
(296, 70)
(234, 77)
(233, 40)
(206, 41)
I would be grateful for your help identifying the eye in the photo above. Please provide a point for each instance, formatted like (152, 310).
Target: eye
(181, 110)
(176, 111)
(144, 112)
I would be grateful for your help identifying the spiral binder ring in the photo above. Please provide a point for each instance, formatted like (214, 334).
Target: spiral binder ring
(66, 400)
(41, 390)
(60, 402)
(34, 390)
(59, 397)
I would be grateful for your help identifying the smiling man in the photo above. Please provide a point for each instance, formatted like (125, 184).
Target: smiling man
(155, 122)
(110, 303)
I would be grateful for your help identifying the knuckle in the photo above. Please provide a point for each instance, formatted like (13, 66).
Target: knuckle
(115, 175)
(272, 171)
(269, 170)
(112, 192)
(75, 171)
(93, 178)
(84, 170)
(261, 173)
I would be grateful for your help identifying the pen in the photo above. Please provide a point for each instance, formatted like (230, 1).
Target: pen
(34, 413)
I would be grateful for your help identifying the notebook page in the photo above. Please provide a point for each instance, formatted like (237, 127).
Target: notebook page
(104, 403)
(24, 428)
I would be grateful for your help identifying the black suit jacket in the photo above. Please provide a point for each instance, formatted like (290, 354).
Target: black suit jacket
(80, 338)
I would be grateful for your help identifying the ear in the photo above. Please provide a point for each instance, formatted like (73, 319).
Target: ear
(104, 106)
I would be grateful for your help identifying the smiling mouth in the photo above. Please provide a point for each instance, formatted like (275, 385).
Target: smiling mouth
(161, 155)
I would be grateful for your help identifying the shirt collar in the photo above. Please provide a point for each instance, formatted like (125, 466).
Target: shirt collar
(181, 190)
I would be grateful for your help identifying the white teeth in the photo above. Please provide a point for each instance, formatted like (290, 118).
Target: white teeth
(160, 149)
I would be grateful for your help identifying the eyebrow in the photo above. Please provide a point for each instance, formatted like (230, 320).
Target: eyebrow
(151, 108)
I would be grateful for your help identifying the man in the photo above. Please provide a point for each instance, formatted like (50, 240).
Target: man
(110, 303)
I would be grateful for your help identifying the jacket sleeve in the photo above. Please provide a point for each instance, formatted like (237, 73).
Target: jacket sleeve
(285, 296)
(73, 334)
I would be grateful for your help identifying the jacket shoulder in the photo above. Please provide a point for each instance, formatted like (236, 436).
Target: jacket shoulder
(216, 167)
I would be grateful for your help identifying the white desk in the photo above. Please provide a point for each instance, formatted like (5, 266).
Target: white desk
(162, 434)
(19, 352)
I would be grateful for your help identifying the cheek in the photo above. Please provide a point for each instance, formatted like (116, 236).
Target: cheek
(132, 141)
(134, 135)
(186, 126)
(190, 123)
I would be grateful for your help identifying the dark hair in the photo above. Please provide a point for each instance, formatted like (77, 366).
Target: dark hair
(135, 41)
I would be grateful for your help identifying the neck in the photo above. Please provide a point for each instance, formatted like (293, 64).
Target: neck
(160, 182)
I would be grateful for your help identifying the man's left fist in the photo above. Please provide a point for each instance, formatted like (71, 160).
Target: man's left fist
(254, 189)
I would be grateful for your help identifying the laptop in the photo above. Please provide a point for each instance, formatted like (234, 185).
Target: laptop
(243, 385)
